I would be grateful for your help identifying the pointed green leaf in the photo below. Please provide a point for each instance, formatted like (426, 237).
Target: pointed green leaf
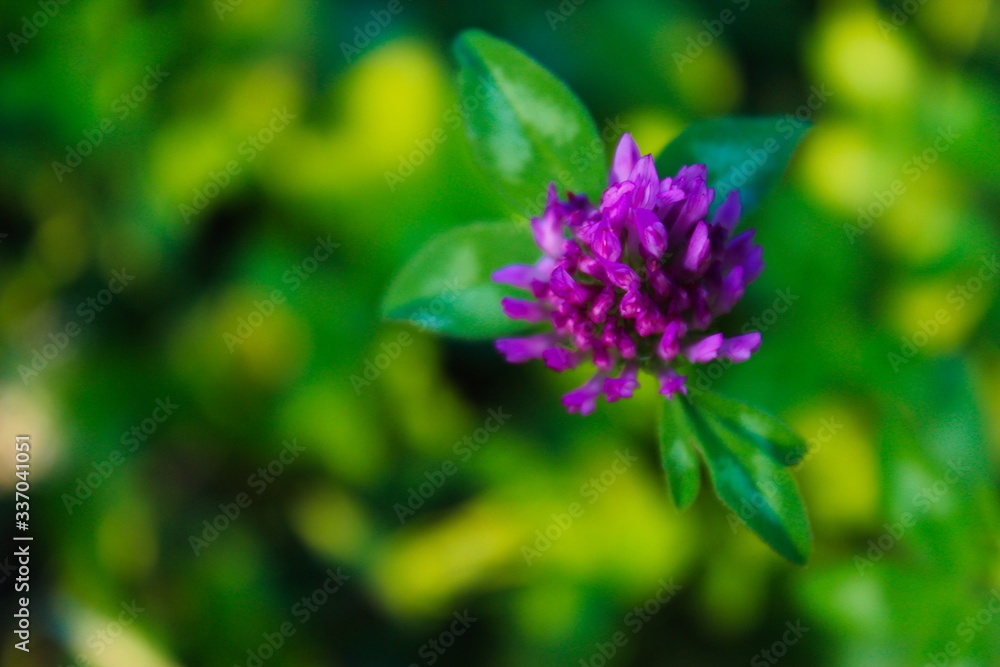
(762, 493)
(678, 443)
(770, 434)
(748, 154)
(526, 127)
(446, 287)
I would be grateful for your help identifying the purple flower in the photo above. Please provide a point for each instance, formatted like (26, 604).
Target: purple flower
(634, 283)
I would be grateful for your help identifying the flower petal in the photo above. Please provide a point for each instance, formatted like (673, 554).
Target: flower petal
(626, 155)
(671, 383)
(669, 345)
(584, 399)
(523, 309)
(560, 359)
(697, 250)
(563, 285)
(606, 243)
(652, 233)
(621, 275)
(548, 229)
(739, 348)
(704, 350)
(647, 183)
(731, 291)
(728, 213)
(624, 385)
(518, 275)
(616, 202)
(520, 350)
(631, 304)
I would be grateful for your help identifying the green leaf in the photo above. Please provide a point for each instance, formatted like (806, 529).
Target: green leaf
(761, 493)
(678, 443)
(446, 287)
(773, 436)
(526, 127)
(749, 154)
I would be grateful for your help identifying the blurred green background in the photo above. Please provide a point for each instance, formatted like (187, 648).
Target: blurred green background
(234, 162)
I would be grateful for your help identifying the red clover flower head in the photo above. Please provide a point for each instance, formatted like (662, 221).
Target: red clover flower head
(634, 283)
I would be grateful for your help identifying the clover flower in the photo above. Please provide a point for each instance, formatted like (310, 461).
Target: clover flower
(634, 283)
